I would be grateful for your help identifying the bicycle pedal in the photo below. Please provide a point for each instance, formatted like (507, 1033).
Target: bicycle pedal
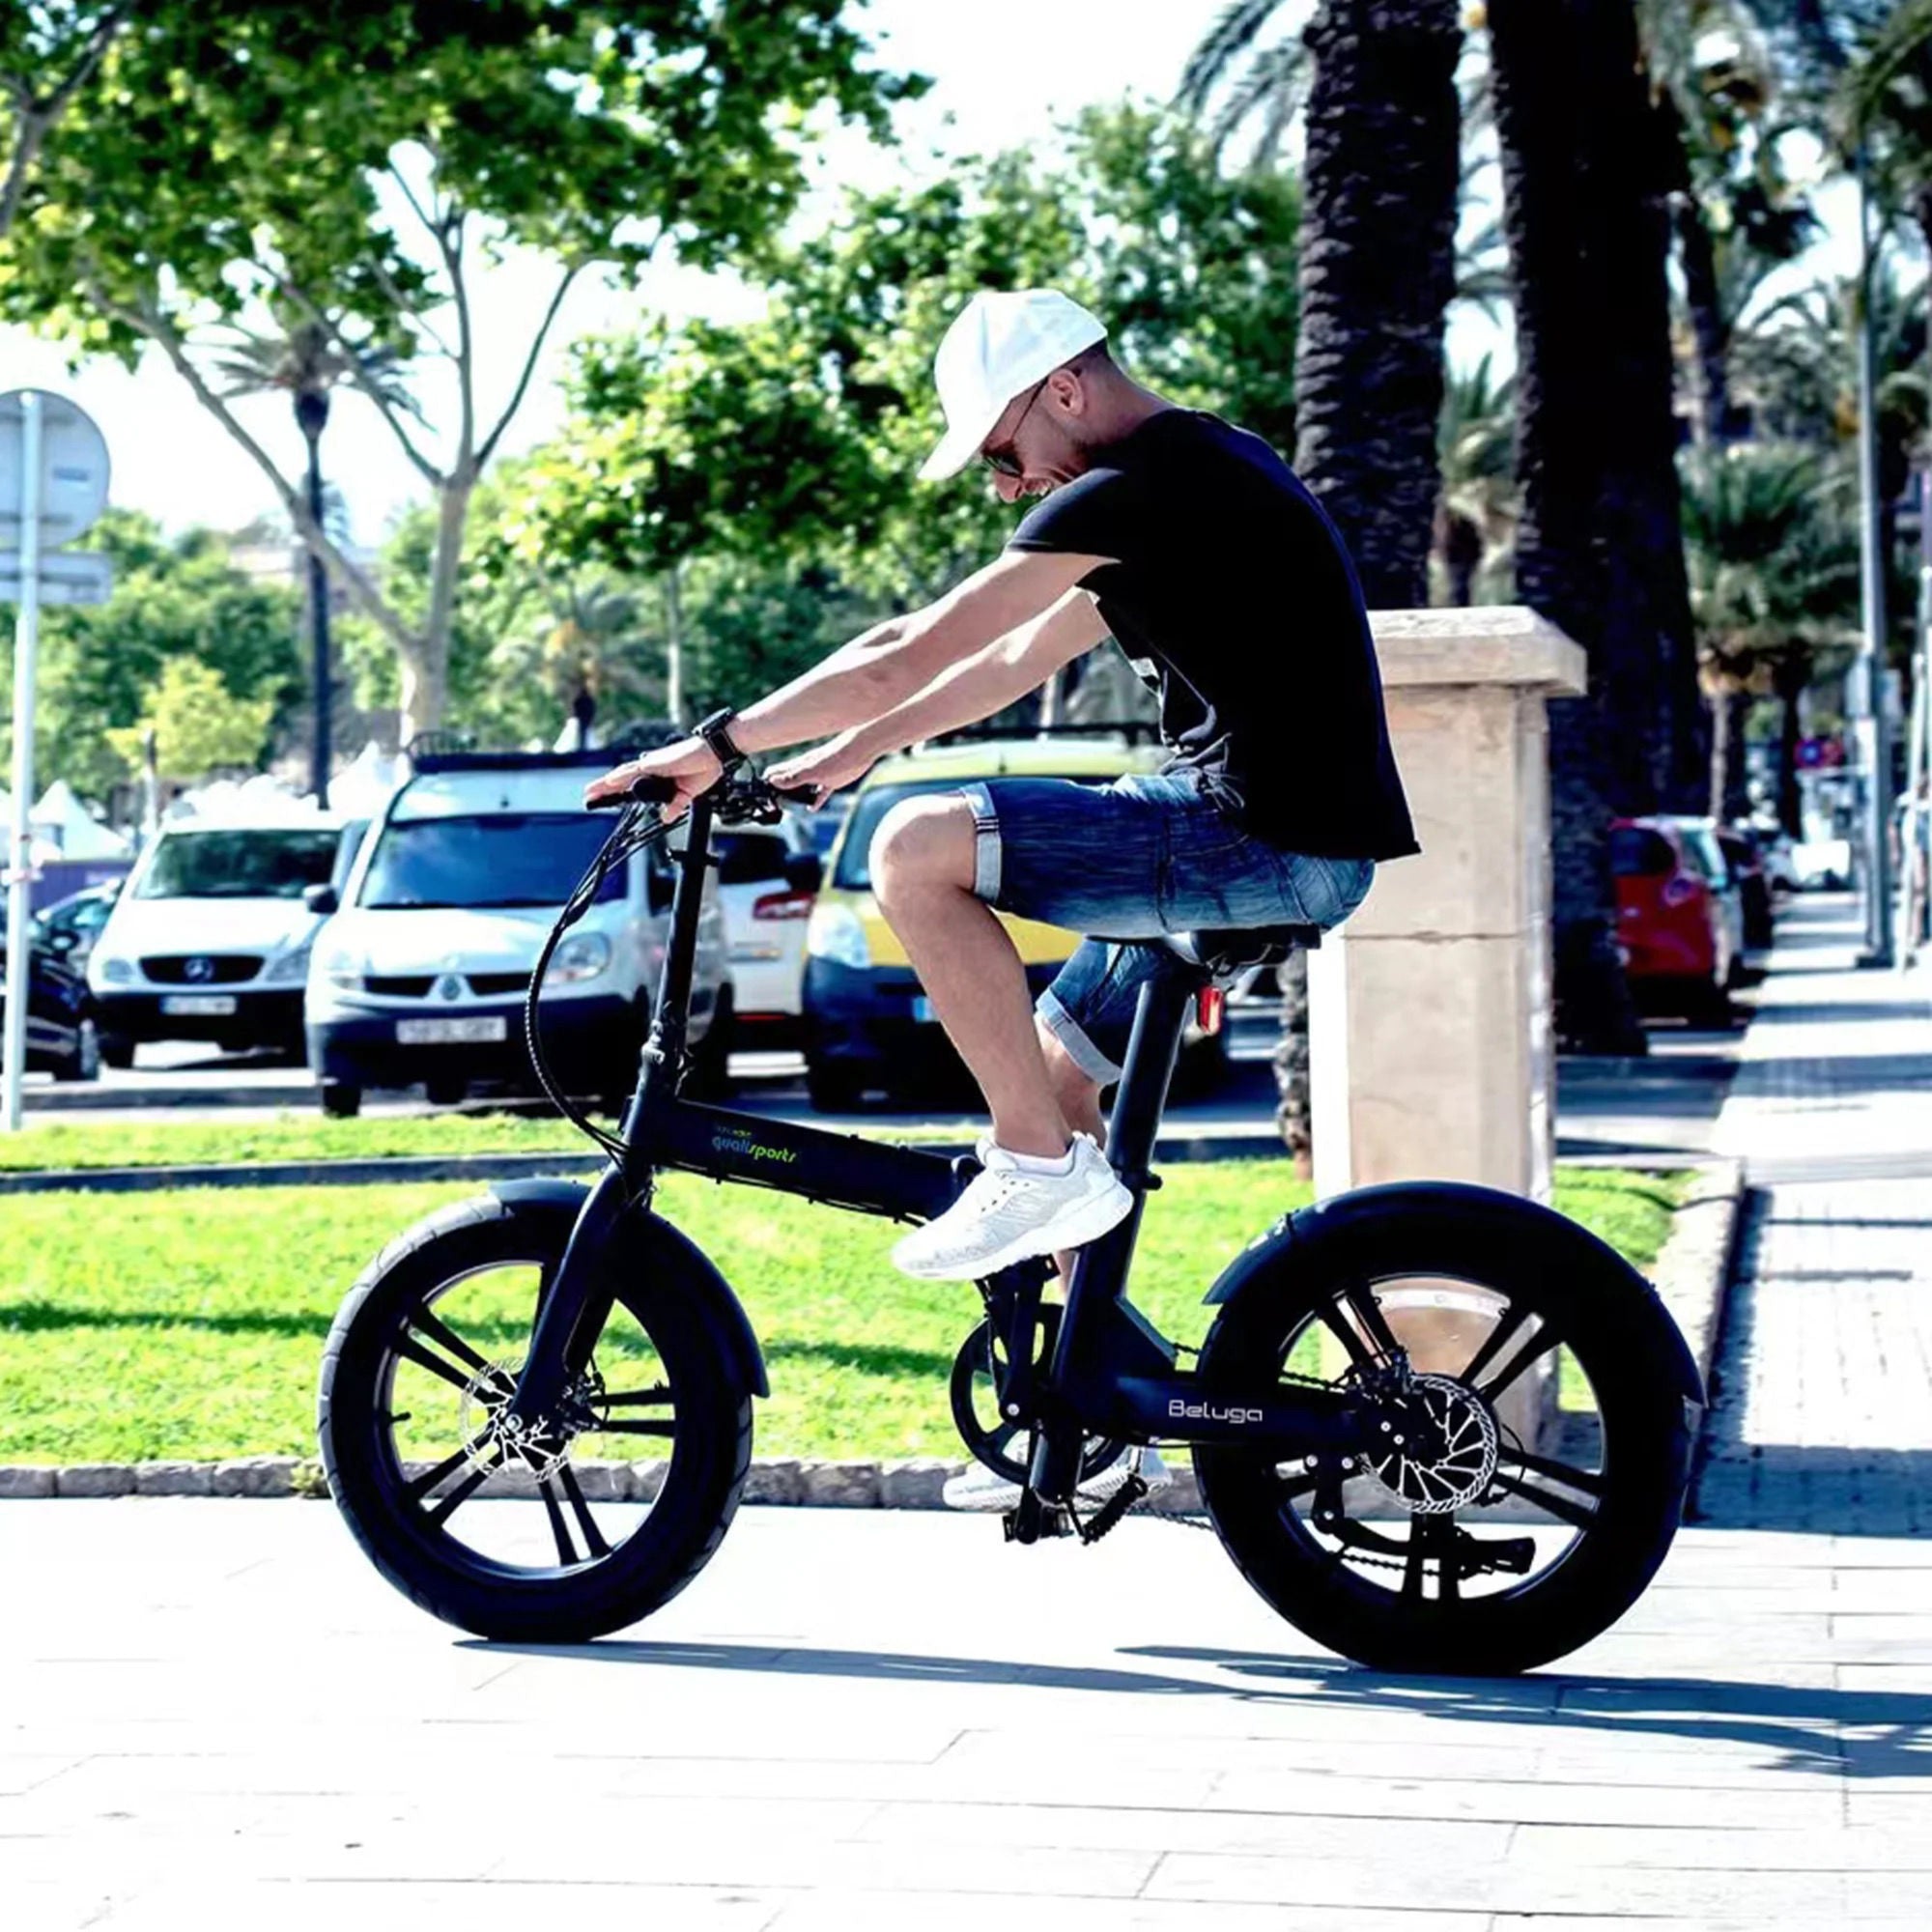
(1103, 1519)
(1048, 1521)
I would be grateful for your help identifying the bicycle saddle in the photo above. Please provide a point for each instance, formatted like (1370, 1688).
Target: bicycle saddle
(1225, 951)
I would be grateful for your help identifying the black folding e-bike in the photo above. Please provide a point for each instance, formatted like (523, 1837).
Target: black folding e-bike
(1437, 1427)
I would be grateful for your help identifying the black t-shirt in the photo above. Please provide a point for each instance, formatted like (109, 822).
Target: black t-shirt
(1235, 600)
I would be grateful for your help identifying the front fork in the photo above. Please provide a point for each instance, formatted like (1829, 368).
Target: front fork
(576, 1302)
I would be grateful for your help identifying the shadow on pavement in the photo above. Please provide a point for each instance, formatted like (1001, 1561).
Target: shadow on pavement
(1799, 1727)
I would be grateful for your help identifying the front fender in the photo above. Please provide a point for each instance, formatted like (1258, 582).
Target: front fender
(647, 1246)
(1447, 1222)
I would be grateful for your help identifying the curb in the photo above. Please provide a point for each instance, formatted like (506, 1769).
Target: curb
(784, 1483)
(1693, 1272)
(1180, 1148)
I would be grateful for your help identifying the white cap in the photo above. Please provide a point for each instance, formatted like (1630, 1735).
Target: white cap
(999, 347)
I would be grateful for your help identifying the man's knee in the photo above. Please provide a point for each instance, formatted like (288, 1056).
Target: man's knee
(922, 841)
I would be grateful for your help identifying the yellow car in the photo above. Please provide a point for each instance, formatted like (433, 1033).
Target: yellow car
(868, 1024)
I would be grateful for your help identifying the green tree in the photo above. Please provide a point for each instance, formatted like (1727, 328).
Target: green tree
(799, 436)
(355, 166)
(199, 725)
(49, 54)
(173, 598)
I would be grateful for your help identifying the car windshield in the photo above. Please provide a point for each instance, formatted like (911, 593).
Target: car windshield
(505, 859)
(239, 865)
(855, 855)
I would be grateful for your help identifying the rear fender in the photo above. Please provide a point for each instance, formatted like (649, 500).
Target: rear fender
(1334, 1237)
(647, 1247)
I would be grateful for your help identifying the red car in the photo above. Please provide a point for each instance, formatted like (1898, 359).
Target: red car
(1673, 921)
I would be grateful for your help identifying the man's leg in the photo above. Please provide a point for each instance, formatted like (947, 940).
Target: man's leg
(921, 862)
(1079, 1099)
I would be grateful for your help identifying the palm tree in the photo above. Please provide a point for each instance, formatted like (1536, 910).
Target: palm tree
(1599, 550)
(1475, 520)
(1379, 186)
(1773, 586)
(303, 360)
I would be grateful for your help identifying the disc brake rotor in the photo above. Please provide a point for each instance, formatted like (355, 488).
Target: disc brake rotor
(1448, 1448)
(492, 1438)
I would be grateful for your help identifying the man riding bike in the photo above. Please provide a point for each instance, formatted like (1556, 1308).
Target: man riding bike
(1194, 545)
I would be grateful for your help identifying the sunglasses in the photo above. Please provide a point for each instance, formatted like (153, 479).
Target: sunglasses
(1003, 460)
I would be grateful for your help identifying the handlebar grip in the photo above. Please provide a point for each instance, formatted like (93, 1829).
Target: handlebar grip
(643, 791)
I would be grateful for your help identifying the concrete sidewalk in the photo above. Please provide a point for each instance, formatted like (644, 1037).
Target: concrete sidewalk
(216, 1714)
(1823, 1413)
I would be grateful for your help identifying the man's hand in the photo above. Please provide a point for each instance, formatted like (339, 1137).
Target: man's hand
(690, 764)
(835, 764)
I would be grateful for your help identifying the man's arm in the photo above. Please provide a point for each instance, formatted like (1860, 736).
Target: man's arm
(877, 673)
(962, 693)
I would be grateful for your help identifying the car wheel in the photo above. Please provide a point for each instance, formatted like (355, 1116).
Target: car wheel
(447, 1091)
(833, 1086)
(341, 1101)
(86, 1062)
(117, 1049)
(708, 1075)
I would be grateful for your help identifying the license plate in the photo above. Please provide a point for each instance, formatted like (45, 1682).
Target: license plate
(451, 1033)
(922, 1007)
(203, 1006)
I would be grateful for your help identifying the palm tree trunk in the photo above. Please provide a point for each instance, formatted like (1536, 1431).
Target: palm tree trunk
(318, 620)
(1788, 680)
(1724, 720)
(1599, 550)
(1377, 270)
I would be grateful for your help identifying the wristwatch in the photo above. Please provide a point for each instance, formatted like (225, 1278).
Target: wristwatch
(713, 730)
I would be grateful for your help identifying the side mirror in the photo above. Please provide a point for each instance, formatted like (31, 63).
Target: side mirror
(804, 871)
(321, 900)
(61, 940)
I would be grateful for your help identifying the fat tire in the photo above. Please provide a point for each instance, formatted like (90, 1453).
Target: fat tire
(1634, 1355)
(711, 1451)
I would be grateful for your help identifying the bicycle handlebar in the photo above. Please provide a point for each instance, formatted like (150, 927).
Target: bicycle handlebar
(737, 798)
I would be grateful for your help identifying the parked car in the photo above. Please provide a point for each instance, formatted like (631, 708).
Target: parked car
(867, 1022)
(420, 974)
(81, 914)
(1680, 926)
(768, 877)
(62, 1036)
(210, 937)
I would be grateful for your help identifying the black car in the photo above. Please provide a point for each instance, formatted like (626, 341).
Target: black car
(61, 1037)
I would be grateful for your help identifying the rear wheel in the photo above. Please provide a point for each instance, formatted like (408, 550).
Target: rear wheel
(117, 1050)
(1545, 1443)
(340, 1101)
(833, 1086)
(552, 1539)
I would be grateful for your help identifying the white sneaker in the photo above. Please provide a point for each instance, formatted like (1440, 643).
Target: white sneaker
(982, 1489)
(1011, 1212)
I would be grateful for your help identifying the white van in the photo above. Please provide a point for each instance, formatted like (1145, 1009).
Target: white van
(419, 976)
(208, 939)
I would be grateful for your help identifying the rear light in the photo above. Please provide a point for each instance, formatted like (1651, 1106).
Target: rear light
(783, 905)
(1209, 1003)
(1679, 891)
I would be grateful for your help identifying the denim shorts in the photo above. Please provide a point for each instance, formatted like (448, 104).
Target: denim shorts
(1133, 860)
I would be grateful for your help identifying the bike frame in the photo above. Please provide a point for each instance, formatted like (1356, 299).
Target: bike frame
(1112, 1373)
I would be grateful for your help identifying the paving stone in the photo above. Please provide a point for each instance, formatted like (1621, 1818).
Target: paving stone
(840, 1485)
(94, 1479)
(255, 1476)
(916, 1484)
(174, 1479)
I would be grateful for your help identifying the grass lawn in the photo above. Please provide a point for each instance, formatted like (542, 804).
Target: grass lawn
(189, 1325)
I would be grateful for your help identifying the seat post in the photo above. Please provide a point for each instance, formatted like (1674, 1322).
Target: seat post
(1158, 1020)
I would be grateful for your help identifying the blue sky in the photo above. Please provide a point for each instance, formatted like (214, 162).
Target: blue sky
(1002, 68)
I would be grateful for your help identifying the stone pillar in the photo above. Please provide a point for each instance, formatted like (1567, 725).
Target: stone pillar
(1430, 1045)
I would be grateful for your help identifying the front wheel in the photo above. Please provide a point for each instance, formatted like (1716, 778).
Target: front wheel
(1533, 1469)
(553, 1538)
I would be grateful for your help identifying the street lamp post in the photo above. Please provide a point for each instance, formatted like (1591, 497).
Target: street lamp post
(1866, 694)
